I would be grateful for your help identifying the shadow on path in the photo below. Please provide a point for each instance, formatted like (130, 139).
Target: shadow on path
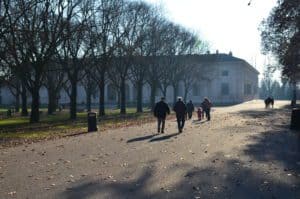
(199, 122)
(164, 137)
(224, 178)
(141, 138)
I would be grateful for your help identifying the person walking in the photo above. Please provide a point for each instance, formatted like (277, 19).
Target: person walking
(180, 110)
(190, 109)
(161, 110)
(206, 106)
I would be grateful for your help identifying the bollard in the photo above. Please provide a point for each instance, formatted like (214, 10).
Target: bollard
(295, 120)
(92, 121)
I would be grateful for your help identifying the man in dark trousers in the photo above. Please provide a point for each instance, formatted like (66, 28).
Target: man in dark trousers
(190, 109)
(161, 110)
(180, 110)
(206, 106)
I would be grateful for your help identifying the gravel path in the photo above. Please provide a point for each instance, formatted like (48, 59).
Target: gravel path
(245, 151)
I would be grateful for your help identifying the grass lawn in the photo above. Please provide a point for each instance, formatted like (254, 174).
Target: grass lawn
(18, 129)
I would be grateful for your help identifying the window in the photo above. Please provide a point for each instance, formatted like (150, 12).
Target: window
(195, 90)
(247, 89)
(225, 73)
(224, 89)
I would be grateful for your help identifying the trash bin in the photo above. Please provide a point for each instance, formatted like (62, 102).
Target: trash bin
(92, 121)
(295, 120)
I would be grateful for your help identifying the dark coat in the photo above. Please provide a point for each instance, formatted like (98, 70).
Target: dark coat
(161, 110)
(206, 105)
(190, 107)
(180, 109)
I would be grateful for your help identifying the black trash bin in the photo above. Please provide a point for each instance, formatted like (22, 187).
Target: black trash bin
(92, 122)
(295, 120)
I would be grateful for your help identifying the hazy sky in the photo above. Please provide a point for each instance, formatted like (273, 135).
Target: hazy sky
(228, 25)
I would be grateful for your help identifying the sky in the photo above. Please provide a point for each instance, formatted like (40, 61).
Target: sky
(228, 25)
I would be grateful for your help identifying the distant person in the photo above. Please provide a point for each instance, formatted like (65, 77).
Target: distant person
(161, 110)
(190, 109)
(206, 106)
(180, 110)
(269, 101)
(199, 113)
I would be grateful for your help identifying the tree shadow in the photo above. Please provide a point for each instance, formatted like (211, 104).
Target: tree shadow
(164, 137)
(223, 178)
(276, 146)
(141, 138)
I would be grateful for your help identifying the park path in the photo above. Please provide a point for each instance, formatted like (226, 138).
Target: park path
(245, 151)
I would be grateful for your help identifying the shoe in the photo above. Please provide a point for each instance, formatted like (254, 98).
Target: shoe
(158, 131)
(162, 132)
(180, 130)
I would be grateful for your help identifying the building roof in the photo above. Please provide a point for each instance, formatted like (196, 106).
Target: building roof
(221, 57)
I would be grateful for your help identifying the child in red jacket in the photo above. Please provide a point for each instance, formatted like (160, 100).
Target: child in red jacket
(199, 113)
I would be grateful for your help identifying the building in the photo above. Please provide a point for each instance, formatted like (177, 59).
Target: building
(225, 79)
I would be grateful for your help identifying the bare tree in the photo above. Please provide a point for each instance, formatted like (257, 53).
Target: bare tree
(139, 65)
(55, 79)
(104, 24)
(74, 50)
(89, 84)
(34, 30)
(157, 33)
(129, 36)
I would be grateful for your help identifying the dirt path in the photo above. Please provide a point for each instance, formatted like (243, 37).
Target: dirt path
(244, 152)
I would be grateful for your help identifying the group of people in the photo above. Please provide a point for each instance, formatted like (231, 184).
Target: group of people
(182, 110)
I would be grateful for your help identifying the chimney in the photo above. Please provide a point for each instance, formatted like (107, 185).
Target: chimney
(230, 53)
(217, 52)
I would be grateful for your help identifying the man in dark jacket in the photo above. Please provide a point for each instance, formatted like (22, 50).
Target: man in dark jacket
(190, 109)
(180, 110)
(161, 110)
(206, 106)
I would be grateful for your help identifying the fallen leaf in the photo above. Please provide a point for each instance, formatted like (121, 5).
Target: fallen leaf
(12, 193)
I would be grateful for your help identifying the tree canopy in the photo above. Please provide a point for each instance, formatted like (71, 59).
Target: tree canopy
(281, 37)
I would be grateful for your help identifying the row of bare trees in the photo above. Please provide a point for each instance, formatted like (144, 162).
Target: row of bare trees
(61, 43)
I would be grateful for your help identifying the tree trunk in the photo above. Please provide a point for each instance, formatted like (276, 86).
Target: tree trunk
(17, 104)
(24, 101)
(186, 91)
(175, 94)
(102, 95)
(35, 104)
(123, 97)
(88, 99)
(294, 94)
(152, 95)
(73, 101)
(185, 96)
(164, 91)
(51, 101)
(139, 100)
(101, 99)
